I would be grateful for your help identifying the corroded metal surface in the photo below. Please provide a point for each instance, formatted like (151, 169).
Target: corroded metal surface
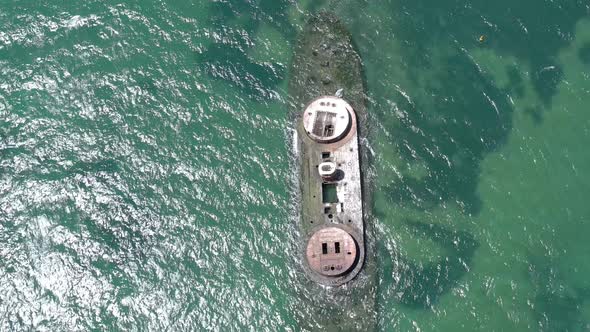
(331, 252)
(335, 202)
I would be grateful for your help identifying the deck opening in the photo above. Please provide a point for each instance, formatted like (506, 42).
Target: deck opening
(329, 193)
(323, 125)
(328, 130)
(325, 155)
(337, 247)
(324, 248)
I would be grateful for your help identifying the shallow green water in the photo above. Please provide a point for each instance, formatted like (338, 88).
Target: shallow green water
(145, 179)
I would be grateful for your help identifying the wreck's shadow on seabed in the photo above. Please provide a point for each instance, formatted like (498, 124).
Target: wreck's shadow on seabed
(447, 139)
(441, 114)
(421, 285)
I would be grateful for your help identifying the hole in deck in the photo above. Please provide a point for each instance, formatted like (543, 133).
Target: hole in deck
(329, 193)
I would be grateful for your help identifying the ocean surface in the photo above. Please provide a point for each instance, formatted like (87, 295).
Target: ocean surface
(146, 174)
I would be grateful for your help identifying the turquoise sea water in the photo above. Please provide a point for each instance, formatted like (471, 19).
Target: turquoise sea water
(146, 181)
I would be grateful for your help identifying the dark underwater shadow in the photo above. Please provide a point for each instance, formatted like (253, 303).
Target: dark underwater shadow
(531, 31)
(456, 116)
(420, 285)
(461, 114)
(229, 62)
(584, 53)
(233, 66)
(556, 308)
(450, 136)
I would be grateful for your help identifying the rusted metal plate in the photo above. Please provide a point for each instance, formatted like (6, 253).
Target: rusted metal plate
(327, 119)
(331, 251)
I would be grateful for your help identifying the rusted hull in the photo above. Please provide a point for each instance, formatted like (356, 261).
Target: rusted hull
(325, 63)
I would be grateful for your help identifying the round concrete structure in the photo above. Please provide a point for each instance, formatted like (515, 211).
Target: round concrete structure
(327, 119)
(331, 252)
(327, 170)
